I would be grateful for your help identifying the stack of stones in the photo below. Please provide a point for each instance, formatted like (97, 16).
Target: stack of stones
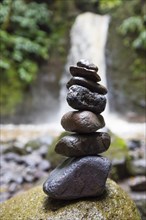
(84, 173)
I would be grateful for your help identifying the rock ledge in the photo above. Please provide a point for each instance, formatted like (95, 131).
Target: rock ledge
(35, 205)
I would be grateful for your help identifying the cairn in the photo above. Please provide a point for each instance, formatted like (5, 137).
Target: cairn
(85, 172)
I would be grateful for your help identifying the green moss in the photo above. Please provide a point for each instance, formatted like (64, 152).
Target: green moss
(35, 205)
(118, 154)
(126, 67)
(30, 33)
(118, 148)
(52, 156)
(10, 94)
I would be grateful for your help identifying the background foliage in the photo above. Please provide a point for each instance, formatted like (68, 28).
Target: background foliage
(24, 44)
(28, 35)
(31, 31)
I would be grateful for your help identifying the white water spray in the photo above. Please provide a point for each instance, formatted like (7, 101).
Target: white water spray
(88, 41)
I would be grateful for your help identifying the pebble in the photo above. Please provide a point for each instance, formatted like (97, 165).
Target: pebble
(138, 167)
(82, 121)
(76, 145)
(92, 86)
(77, 178)
(87, 64)
(138, 183)
(33, 159)
(17, 169)
(44, 165)
(81, 98)
(133, 144)
(85, 73)
(12, 157)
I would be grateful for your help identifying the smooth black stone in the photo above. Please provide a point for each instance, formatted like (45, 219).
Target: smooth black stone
(81, 98)
(82, 121)
(77, 178)
(85, 73)
(77, 145)
(92, 86)
(87, 64)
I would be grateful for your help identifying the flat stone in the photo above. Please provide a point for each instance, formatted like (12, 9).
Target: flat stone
(84, 72)
(87, 64)
(77, 178)
(77, 145)
(81, 98)
(82, 121)
(92, 86)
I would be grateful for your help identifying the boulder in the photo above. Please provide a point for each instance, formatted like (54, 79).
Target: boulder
(35, 205)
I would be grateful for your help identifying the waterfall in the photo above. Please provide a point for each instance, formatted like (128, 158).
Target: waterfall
(88, 40)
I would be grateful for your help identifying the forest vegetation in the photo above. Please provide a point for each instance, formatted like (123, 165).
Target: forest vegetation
(31, 31)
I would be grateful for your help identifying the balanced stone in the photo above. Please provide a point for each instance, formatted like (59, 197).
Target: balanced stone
(82, 121)
(77, 178)
(76, 145)
(81, 98)
(92, 86)
(87, 64)
(84, 72)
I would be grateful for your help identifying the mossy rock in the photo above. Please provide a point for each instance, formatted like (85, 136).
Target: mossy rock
(52, 156)
(119, 155)
(118, 148)
(35, 205)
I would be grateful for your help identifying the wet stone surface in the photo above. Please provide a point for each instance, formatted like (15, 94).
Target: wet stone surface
(73, 177)
(81, 98)
(87, 64)
(84, 72)
(76, 145)
(92, 86)
(82, 121)
(138, 183)
(23, 166)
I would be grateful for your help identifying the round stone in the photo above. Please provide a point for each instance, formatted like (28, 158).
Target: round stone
(78, 177)
(92, 86)
(87, 64)
(81, 98)
(77, 145)
(82, 121)
(84, 72)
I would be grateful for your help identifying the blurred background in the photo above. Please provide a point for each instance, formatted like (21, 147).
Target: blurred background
(37, 41)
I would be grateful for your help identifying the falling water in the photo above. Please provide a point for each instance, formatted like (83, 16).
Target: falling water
(88, 41)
